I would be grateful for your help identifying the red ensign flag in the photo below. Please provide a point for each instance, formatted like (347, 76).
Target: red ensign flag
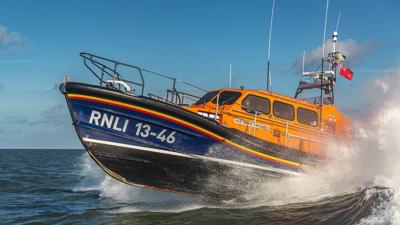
(346, 72)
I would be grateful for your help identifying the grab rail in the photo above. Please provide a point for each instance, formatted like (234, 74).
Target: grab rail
(104, 69)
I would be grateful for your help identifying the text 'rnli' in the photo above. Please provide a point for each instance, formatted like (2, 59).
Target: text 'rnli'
(110, 121)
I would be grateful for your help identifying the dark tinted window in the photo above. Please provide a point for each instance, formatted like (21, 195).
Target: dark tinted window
(254, 103)
(207, 97)
(227, 98)
(283, 110)
(306, 116)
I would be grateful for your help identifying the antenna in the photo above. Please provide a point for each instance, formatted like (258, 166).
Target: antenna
(325, 78)
(304, 56)
(270, 79)
(338, 20)
(322, 66)
(230, 75)
(335, 33)
(326, 19)
(269, 47)
(334, 40)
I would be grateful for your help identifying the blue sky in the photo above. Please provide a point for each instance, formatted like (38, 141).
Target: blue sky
(40, 43)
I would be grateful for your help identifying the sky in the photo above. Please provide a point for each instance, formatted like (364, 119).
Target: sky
(40, 42)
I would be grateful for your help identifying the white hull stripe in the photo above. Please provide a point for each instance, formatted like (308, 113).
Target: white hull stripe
(191, 156)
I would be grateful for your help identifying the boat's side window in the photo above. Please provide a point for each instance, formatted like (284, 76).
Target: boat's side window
(253, 103)
(207, 97)
(227, 98)
(283, 110)
(306, 116)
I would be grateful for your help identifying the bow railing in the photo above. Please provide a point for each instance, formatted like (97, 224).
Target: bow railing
(111, 72)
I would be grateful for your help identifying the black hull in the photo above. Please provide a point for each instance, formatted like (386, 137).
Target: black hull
(172, 173)
(207, 159)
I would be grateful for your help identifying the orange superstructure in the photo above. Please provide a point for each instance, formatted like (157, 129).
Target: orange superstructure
(303, 125)
(275, 118)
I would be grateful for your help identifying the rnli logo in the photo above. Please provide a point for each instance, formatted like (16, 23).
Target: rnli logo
(110, 121)
(251, 124)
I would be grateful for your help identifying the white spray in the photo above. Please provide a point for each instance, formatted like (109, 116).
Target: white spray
(373, 159)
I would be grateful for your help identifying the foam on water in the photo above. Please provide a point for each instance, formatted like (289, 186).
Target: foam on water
(371, 160)
(121, 198)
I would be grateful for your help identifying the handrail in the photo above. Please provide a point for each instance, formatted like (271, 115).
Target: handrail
(104, 68)
(111, 72)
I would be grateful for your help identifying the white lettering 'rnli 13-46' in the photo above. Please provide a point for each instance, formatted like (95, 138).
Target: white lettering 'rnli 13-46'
(110, 121)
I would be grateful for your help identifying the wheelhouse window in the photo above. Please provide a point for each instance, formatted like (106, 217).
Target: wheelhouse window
(283, 110)
(206, 98)
(227, 98)
(253, 103)
(307, 117)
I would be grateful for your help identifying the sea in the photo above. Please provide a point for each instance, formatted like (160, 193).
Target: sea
(63, 186)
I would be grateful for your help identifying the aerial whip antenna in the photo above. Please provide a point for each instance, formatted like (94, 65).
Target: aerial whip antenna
(304, 56)
(322, 64)
(326, 19)
(334, 36)
(269, 80)
(230, 75)
(337, 23)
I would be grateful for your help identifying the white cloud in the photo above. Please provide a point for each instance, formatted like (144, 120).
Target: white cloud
(56, 116)
(354, 52)
(11, 41)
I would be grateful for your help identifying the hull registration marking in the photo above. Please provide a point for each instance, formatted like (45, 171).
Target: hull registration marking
(110, 121)
(185, 123)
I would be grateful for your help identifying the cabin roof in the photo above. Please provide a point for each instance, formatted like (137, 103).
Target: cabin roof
(270, 93)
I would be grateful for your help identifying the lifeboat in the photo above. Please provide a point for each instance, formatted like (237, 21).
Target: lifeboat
(217, 145)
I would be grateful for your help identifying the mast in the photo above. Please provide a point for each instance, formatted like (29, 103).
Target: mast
(335, 58)
(324, 79)
(334, 64)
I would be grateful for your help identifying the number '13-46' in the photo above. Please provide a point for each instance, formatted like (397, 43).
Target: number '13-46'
(144, 130)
